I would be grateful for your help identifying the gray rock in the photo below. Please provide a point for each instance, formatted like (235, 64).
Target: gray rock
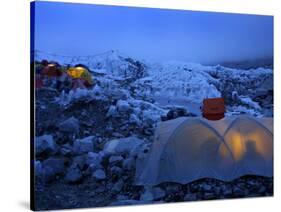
(119, 94)
(115, 159)
(123, 106)
(117, 135)
(237, 191)
(79, 161)
(66, 150)
(94, 160)
(45, 144)
(73, 175)
(52, 167)
(99, 174)
(172, 188)
(206, 187)
(116, 170)
(226, 191)
(151, 117)
(118, 186)
(112, 112)
(84, 145)
(140, 151)
(262, 189)
(122, 145)
(70, 125)
(134, 119)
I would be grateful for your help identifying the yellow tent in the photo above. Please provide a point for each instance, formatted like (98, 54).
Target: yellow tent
(80, 73)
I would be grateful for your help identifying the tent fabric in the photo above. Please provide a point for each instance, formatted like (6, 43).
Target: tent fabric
(80, 73)
(51, 70)
(213, 108)
(187, 149)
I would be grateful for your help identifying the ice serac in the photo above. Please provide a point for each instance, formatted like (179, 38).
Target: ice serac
(179, 82)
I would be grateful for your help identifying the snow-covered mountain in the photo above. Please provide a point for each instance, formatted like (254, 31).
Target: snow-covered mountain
(178, 83)
(111, 62)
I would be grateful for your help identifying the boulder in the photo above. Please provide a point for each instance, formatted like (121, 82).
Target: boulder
(174, 113)
(117, 135)
(52, 167)
(94, 160)
(99, 174)
(85, 145)
(237, 191)
(118, 186)
(119, 94)
(122, 145)
(112, 112)
(206, 187)
(45, 144)
(115, 159)
(70, 125)
(123, 106)
(134, 119)
(116, 171)
(151, 117)
(79, 161)
(173, 188)
(140, 151)
(66, 149)
(73, 175)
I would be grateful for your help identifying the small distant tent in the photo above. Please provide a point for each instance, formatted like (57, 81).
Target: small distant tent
(190, 148)
(213, 108)
(81, 73)
(52, 70)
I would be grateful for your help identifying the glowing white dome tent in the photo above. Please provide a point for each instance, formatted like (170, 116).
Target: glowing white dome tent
(187, 149)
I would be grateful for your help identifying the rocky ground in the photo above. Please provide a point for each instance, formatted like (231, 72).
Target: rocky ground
(86, 155)
(100, 193)
(88, 142)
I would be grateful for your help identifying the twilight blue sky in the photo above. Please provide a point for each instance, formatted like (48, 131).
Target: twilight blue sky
(154, 34)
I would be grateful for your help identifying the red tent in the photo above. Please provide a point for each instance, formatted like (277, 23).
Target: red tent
(51, 70)
(213, 108)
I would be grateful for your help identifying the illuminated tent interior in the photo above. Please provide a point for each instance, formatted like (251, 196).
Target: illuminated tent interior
(80, 73)
(187, 149)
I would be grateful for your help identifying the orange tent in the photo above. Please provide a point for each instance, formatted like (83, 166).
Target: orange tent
(51, 70)
(213, 108)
